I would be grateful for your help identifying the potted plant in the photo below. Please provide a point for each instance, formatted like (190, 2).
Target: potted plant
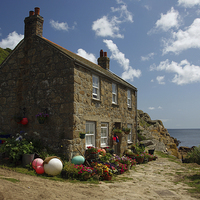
(41, 117)
(82, 135)
(139, 158)
(92, 153)
(127, 130)
(117, 130)
(92, 150)
(16, 148)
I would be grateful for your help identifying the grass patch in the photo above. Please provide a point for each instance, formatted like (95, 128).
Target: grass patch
(13, 180)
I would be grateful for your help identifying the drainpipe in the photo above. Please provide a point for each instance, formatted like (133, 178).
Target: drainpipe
(136, 115)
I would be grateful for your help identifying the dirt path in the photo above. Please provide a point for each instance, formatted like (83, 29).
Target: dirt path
(153, 180)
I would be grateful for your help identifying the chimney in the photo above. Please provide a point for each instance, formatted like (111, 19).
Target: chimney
(103, 60)
(33, 24)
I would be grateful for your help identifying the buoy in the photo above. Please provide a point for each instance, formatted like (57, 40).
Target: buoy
(40, 170)
(37, 162)
(78, 160)
(53, 167)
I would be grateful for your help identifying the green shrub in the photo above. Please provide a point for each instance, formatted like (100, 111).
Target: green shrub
(140, 137)
(14, 149)
(194, 155)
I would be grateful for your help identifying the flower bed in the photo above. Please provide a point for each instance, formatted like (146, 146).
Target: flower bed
(102, 169)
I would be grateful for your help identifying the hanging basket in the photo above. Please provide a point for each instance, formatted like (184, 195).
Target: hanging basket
(82, 135)
(41, 121)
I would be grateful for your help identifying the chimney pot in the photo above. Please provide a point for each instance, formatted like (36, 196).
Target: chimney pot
(101, 53)
(31, 13)
(105, 54)
(37, 11)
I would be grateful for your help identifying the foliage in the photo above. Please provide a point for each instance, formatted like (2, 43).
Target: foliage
(42, 116)
(4, 53)
(116, 130)
(15, 148)
(91, 150)
(127, 130)
(140, 137)
(84, 172)
(137, 149)
(139, 155)
(69, 171)
(105, 158)
(194, 155)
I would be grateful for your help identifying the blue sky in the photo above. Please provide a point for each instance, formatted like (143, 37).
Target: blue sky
(152, 44)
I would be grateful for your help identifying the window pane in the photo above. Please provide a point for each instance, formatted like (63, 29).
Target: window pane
(90, 134)
(104, 134)
(114, 88)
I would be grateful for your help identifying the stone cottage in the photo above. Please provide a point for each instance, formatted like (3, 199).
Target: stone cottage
(79, 96)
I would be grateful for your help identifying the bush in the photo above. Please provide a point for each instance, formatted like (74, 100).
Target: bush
(194, 155)
(14, 149)
(141, 138)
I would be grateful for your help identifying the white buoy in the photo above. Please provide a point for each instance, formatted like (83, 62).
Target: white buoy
(53, 167)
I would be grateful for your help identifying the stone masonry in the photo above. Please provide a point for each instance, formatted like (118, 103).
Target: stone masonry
(41, 76)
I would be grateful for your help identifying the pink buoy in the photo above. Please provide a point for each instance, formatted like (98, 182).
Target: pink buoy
(37, 162)
(40, 170)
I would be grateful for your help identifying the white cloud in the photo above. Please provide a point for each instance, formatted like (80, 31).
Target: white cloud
(110, 26)
(151, 108)
(160, 80)
(152, 80)
(129, 73)
(61, 26)
(188, 3)
(159, 107)
(182, 40)
(11, 41)
(148, 57)
(88, 56)
(185, 72)
(105, 28)
(167, 21)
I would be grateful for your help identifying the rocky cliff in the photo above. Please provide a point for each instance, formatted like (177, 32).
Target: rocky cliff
(154, 135)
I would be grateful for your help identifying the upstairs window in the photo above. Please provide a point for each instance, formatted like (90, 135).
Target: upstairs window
(114, 93)
(95, 92)
(129, 98)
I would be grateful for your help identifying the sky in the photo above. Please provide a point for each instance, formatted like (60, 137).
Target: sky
(152, 44)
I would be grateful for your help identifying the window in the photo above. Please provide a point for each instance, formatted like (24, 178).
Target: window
(114, 93)
(130, 134)
(90, 134)
(129, 98)
(104, 134)
(95, 92)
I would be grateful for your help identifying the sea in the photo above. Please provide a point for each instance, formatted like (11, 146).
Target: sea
(187, 137)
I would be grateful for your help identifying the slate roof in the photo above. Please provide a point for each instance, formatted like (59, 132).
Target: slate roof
(80, 60)
(90, 64)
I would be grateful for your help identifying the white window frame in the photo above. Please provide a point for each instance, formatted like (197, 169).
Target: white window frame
(114, 93)
(129, 98)
(95, 94)
(130, 134)
(90, 129)
(104, 127)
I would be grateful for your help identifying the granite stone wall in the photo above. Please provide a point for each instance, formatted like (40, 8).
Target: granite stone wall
(38, 77)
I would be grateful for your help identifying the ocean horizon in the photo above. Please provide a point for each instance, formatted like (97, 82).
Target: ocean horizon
(187, 137)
